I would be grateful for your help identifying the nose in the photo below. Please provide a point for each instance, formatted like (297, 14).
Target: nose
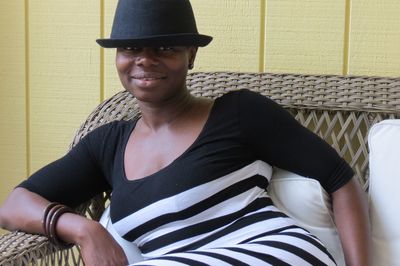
(147, 57)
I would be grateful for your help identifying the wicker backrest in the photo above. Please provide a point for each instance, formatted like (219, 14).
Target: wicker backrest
(339, 109)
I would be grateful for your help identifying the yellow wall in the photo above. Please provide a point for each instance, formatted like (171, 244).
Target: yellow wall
(52, 73)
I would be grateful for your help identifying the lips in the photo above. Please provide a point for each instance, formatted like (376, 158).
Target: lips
(148, 76)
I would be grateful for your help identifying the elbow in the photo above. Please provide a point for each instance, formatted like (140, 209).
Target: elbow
(4, 223)
(9, 211)
(22, 210)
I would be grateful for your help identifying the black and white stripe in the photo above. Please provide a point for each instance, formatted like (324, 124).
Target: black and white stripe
(226, 221)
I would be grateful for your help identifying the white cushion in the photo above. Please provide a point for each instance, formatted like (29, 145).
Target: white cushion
(384, 194)
(132, 252)
(308, 203)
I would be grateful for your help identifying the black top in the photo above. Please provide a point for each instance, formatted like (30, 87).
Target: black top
(242, 127)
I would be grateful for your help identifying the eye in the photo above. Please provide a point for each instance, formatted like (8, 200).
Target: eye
(165, 48)
(131, 48)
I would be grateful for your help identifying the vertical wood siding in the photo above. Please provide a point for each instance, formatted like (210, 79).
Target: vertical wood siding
(52, 73)
(305, 36)
(112, 84)
(63, 73)
(375, 37)
(235, 26)
(13, 132)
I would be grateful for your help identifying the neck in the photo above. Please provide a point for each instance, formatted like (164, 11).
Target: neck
(156, 116)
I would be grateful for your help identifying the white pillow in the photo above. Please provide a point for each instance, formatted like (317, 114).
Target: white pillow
(384, 194)
(308, 203)
(132, 252)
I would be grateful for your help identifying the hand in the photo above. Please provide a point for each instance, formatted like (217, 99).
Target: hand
(97, 245)
(99, 248)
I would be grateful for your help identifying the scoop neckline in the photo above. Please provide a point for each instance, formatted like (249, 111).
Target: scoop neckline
(165, 168)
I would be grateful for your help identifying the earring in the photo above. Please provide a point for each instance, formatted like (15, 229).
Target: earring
(191, 65)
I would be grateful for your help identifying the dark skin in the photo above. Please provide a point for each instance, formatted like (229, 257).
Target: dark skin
(157, 78)
(23, 210)
(171, 118)
(350, 209)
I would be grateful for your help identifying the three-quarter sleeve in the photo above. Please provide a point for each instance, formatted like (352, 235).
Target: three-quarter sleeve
(277, 138)
(77, 176)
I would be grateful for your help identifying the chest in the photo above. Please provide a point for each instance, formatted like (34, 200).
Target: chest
(171, 164)
(147, 154)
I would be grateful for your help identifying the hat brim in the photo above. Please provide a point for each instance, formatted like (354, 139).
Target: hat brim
(160, 40)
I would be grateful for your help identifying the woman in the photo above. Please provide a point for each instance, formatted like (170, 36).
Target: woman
(189, 176)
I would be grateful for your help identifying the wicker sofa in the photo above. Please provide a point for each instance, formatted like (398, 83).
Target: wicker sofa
(340, 109)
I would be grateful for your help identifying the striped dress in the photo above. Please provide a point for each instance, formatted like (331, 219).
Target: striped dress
(210, 205)
(226, 221)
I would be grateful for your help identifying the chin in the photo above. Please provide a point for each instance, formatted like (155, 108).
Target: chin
(147, 95)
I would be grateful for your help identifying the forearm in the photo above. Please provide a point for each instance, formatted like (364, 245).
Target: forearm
(23, 210)
(352, 220)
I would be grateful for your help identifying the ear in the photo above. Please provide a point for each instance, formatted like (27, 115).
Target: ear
(192, 54)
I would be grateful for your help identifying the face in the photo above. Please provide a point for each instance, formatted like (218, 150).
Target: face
(154, 74)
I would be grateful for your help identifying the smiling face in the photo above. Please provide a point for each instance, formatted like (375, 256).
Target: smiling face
(154, 74)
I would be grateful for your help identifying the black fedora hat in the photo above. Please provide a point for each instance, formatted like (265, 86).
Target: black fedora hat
(154, 23)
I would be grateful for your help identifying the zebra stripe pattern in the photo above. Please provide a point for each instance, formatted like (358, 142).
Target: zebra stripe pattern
(226, 221)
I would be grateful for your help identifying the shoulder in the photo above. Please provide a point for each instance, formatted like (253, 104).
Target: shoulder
(114, 127)
(109, 132)
(236, 94)
(250, 102)
(246, 96)
(103, 142)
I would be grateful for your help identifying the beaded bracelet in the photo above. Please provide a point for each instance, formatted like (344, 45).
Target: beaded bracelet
(51, 214)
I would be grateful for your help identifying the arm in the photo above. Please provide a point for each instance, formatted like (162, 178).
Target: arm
(23, 210)
(288, 145)
(71, 180)
(352, 220)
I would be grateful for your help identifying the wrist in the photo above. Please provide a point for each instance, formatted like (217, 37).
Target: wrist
(87, 231)
(74, 228)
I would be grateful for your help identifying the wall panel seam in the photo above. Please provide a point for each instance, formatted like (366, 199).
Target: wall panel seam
(27, 91)
(261, 55)
(346, 39)
(102, 60)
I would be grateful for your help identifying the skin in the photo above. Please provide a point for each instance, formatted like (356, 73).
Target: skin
(157, 78)
(350, 210)
(23, 210)
(170, 114)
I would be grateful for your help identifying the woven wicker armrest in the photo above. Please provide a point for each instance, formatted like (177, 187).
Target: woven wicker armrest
(19, 248)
